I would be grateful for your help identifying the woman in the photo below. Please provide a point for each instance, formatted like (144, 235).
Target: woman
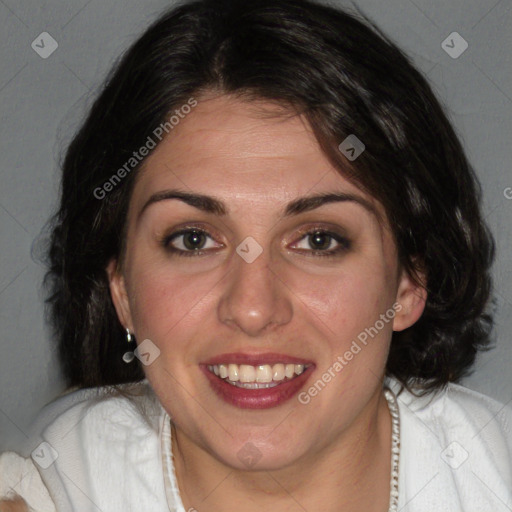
(269, 203)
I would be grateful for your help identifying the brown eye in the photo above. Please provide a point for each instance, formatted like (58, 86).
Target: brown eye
(189, 242)
(320, 242)
(194, 240)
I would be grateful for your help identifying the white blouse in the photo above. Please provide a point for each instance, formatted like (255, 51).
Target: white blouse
(99, 449)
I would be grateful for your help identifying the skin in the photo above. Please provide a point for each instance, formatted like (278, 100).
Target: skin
(333, 453)
(16, 505)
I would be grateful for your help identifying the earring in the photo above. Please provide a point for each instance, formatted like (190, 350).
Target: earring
(128, 356)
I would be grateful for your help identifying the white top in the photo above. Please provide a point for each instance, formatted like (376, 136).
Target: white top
(108, 451)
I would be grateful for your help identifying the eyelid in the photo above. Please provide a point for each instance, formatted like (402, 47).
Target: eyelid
(178, 234)
(186, 228)
(190, 226)
(337, 234)
(335, 231)
(323, 226)
(343, 241)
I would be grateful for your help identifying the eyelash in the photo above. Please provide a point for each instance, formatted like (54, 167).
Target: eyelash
(344, 243)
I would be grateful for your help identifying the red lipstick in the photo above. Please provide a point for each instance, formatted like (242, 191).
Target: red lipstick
(263, 398)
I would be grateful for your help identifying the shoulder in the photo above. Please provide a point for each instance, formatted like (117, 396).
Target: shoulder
(19, 477)
(88, 433)
(114, 412)
(456, 450)
(85, 422)
(464, 414)
(121, 404)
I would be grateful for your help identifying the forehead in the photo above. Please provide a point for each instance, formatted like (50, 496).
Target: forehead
(240, 150)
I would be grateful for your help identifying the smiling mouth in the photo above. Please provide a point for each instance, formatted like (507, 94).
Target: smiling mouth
(257, 377)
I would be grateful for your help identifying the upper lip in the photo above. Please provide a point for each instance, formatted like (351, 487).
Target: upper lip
(255, 359)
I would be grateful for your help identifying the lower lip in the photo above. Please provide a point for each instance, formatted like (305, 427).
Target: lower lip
(256, 398)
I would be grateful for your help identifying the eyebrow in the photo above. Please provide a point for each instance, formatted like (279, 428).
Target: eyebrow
(215, 206)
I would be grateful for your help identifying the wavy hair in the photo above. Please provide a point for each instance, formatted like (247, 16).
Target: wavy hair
(346, 78)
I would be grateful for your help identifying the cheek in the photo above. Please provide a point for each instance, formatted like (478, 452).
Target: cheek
(165, 302)
(346, 301)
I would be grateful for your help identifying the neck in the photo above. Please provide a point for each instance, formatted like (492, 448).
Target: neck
(352, 473)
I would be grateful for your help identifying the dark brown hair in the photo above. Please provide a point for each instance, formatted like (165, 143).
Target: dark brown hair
(347, 78)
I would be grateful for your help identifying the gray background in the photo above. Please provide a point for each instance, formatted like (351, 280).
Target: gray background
(43, 100)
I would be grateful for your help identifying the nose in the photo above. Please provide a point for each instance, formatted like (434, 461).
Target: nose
(255, 299)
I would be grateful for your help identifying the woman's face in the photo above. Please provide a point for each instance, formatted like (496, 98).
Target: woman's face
(228, 274)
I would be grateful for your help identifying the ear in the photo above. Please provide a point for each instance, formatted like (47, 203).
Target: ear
(410, 298)
(119, 295)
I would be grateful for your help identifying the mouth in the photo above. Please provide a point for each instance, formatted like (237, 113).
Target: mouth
(261, 376)
(256, 381)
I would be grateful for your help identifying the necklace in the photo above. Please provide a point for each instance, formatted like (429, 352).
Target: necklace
(171, 487)
(395, 448)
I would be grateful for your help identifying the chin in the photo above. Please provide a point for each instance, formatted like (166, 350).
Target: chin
(258, 454)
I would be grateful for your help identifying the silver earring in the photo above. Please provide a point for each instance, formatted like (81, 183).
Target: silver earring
(128, 356)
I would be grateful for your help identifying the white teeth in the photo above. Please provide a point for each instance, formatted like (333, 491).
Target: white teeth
(278, 371)
(264, 373)
(255, 377)
(232, 372)
(247, 373)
